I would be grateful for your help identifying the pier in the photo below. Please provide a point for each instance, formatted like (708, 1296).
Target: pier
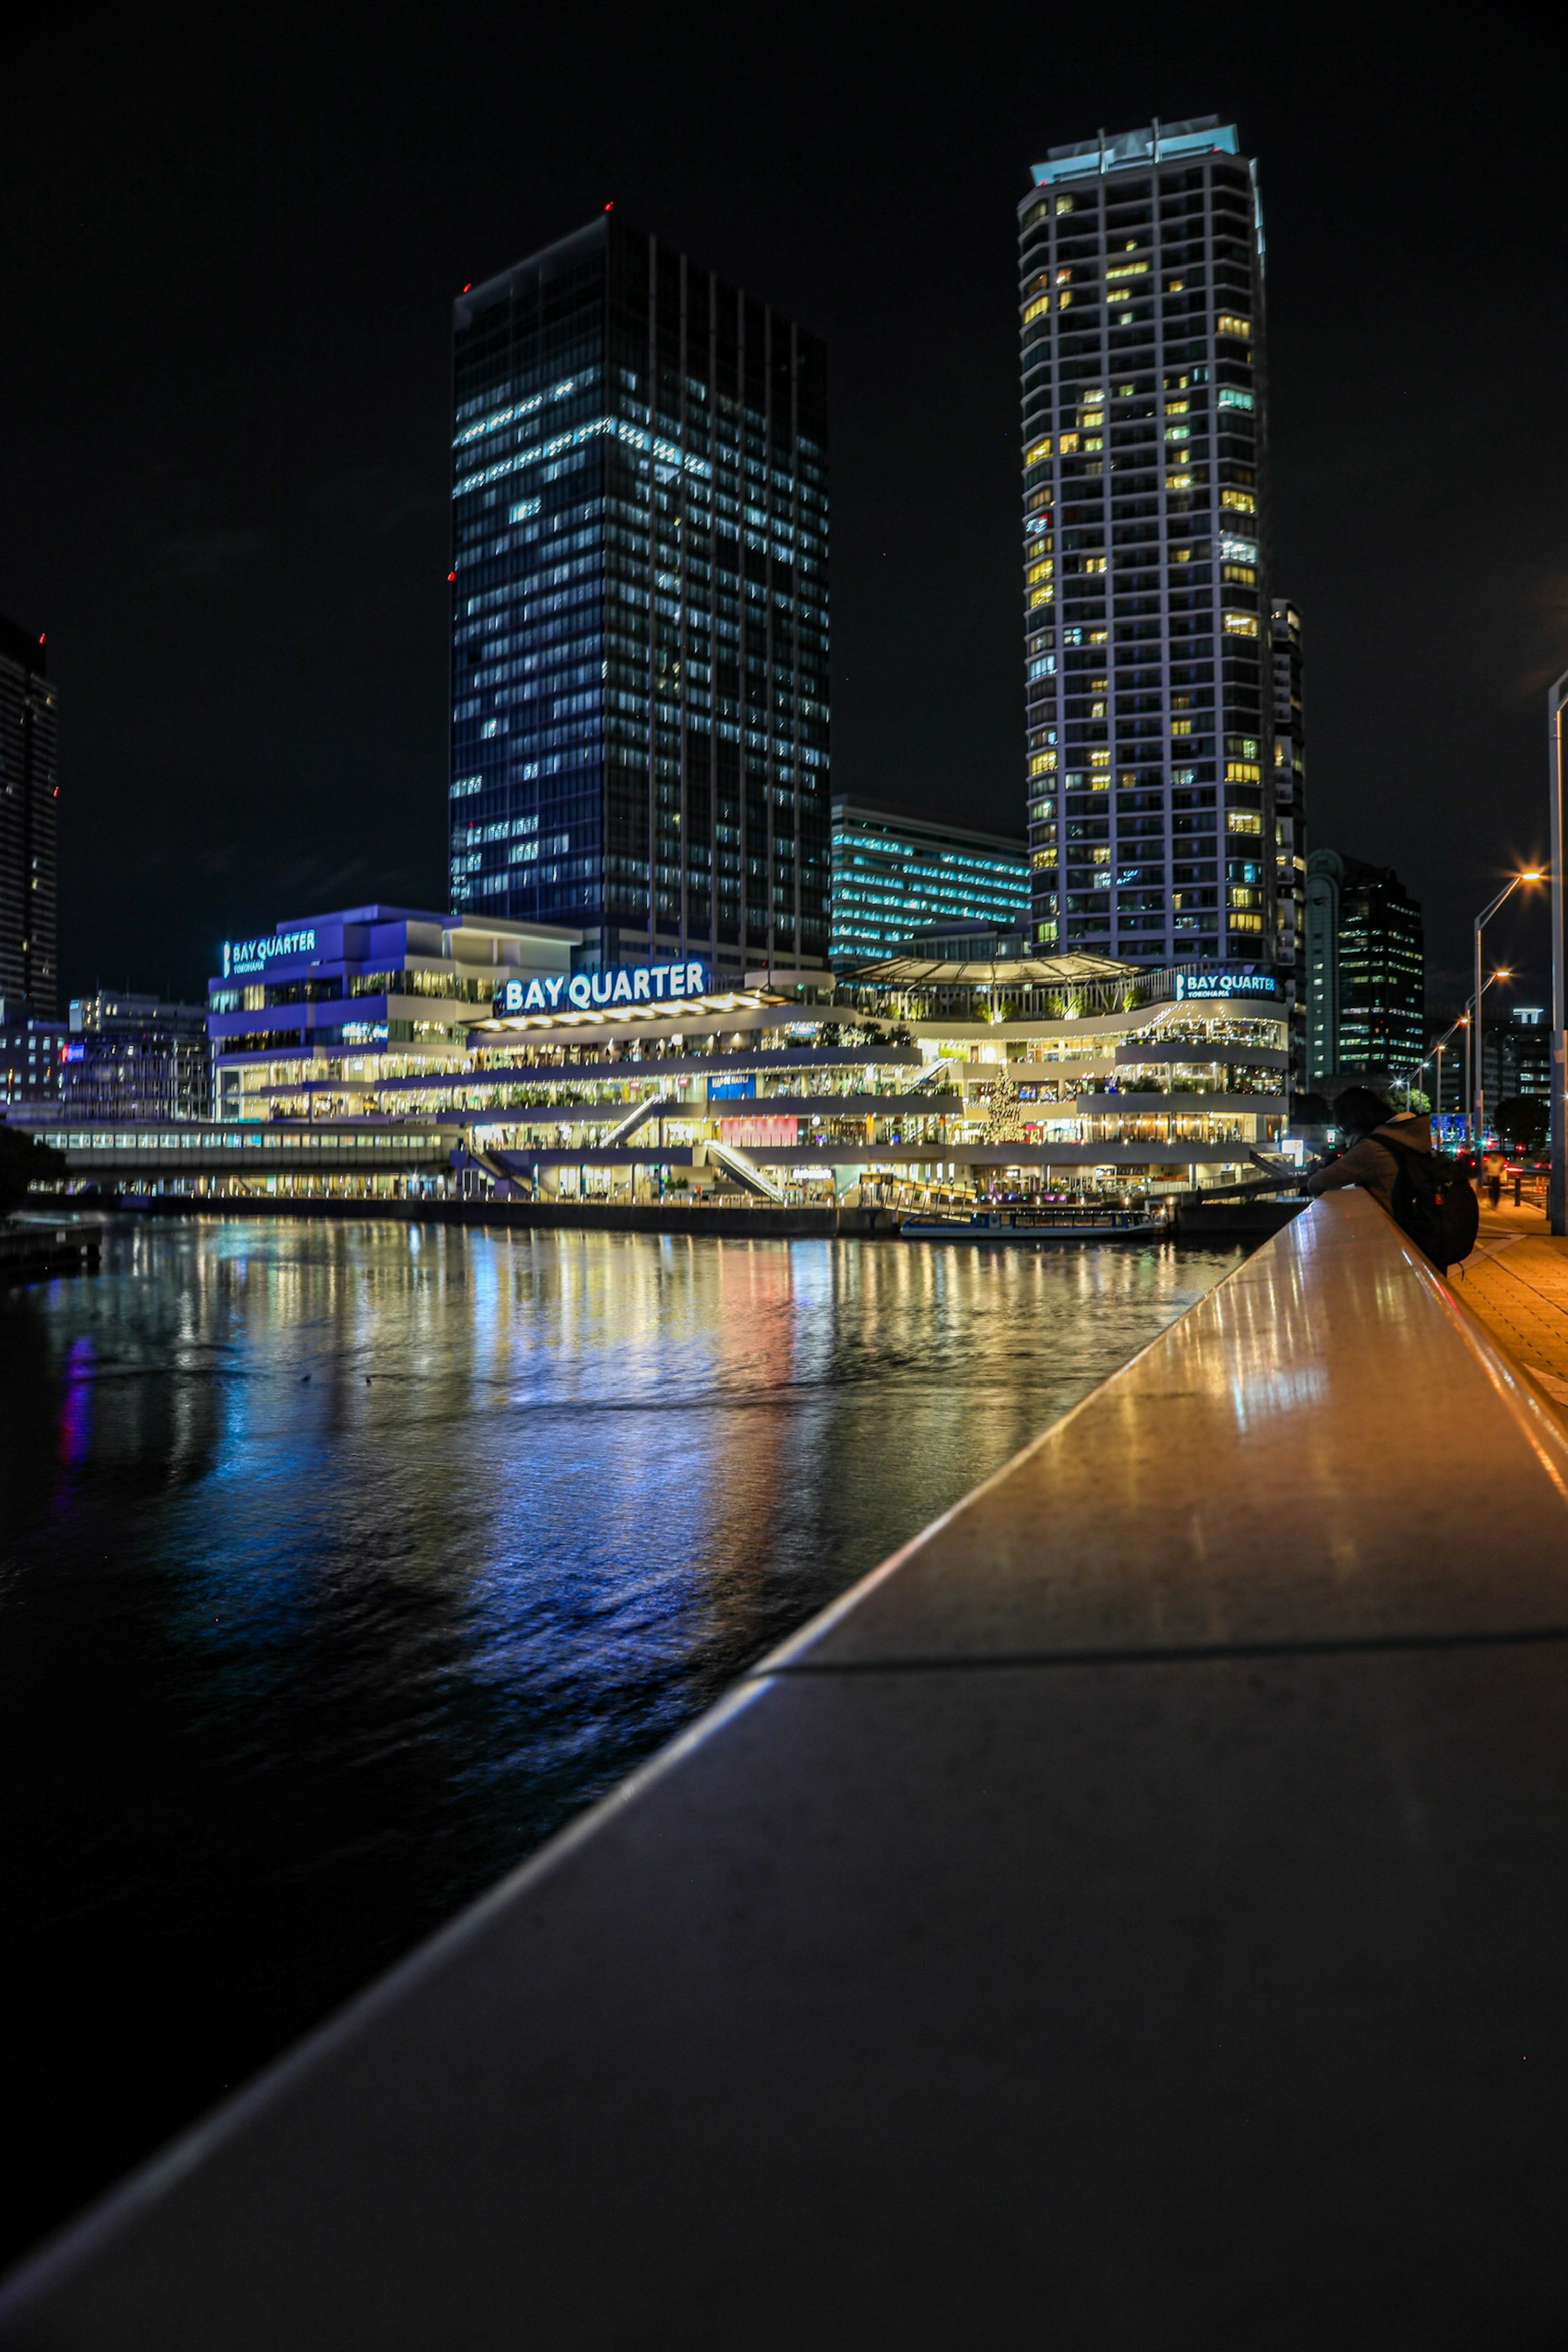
(1133, 1915)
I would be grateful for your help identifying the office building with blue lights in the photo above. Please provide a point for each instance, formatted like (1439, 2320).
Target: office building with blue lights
(29, 825)
(639, 609)
(896, 875)
(1146, 588)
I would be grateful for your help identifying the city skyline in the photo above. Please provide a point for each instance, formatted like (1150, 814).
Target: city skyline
(246, 624)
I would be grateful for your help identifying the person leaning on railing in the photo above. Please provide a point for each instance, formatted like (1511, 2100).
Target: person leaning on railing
(1364, 1117)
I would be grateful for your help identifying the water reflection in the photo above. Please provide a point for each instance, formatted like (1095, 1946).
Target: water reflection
(341, 1564)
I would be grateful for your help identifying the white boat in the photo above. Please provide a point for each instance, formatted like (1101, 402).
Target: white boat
(1065, 1221)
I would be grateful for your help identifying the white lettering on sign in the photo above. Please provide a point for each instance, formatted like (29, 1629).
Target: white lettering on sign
(629, 984)
(255, 955)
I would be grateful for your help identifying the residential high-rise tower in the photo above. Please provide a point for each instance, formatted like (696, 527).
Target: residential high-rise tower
(29, 797)
(639, 609)
(1291, 815)
(1150, 696)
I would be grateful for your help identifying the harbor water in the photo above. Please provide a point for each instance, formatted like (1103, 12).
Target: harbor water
(341, 1564)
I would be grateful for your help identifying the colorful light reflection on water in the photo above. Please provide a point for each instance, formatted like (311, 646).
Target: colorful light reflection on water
(341, 1564)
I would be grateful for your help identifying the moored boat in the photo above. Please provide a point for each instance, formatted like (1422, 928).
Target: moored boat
(1063, 1222)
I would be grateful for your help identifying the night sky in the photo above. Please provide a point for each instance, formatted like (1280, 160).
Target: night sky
(231, 241)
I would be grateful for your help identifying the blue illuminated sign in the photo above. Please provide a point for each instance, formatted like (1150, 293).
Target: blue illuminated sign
(255, 955)
(1226, 983)
(638, 983)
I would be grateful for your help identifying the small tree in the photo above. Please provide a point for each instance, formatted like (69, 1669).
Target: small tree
(23, 1160)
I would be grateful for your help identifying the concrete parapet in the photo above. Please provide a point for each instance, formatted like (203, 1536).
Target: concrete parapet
(1132, 1916)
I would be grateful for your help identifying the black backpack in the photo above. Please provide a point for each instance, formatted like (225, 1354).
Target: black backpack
(1434, 1202)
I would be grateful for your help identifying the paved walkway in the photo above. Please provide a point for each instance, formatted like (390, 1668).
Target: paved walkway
(1517, 1283)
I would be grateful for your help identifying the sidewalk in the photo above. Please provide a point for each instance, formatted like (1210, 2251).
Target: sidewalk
(1516, 1283)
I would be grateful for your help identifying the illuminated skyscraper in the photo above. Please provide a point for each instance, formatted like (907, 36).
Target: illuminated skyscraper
(29, 817)
(1146, 556)
(639, 609)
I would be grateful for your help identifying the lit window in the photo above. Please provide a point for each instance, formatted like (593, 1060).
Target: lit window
(1244, 572)
(1236, 399)
(1098, 636)
(1033, 310)
(1064, 204)
(1043, 857)
(1178, 432)
(1181, 726)
(1066, 443)
(1062, 300)
(1227, 323)
(1094, 441)
(1094, 562)
(1175, 285)
(1043, 571)
(1036, 450)
(1177, 407)
(1238, 501)
(1128, 268)
(1042, 764)
(1099, 759)
(1045, 596)
(1178, 481)
(1064, 277)
(1243, 771)
(1240, 625)
(1119, 294)
(1243, 821)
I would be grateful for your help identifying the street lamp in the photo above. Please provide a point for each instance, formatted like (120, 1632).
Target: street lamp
(1477, 1100)
(1557, 1188)
(1475, 1032)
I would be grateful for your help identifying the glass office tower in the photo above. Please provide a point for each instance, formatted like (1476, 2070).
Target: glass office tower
(896, 874)
(1145, 549)
(29, 825)
(1366, 969)
(639, 609)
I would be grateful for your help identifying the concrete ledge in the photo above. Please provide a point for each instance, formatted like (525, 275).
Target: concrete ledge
(1132, 1917)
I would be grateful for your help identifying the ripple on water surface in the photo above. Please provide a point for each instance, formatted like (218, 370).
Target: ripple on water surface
(341, 1564)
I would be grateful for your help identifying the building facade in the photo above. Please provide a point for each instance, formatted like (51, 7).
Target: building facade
(327, 1005)
(1150, 702)
(1290, 811)
(1366, 968)
(1517, 1055)
(1066, 1073)
(31, 1054)
(29, 824)
(133, 1057)
(639, 609)
(895, 876)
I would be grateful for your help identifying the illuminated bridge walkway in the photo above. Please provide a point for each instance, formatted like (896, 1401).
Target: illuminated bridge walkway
(276, 1148)
(1134, 1916)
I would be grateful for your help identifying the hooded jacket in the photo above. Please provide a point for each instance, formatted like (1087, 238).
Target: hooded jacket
(1368, 1164)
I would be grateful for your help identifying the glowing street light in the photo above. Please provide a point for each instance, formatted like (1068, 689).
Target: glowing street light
(1477, 1100)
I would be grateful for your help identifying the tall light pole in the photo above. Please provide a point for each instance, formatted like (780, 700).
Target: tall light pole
(1557, 1187)
(1478, 1095)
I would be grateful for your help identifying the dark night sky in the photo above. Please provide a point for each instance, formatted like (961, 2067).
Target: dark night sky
(231, 241)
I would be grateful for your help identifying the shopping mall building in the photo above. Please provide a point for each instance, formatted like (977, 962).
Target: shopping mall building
(389, 1052)
(477, 1041)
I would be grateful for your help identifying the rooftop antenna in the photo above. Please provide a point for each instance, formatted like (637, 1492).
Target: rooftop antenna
(1156, 154)
(1102, 154)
